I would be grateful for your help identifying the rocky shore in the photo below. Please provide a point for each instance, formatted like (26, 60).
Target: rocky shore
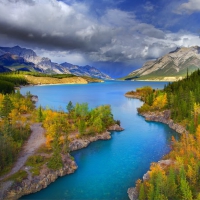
(82, 143)
(133, 193)
(33, 184)
(134, 96)
(163, 117)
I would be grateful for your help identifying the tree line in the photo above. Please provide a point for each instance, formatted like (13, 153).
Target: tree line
(181, 179)
(18, 112)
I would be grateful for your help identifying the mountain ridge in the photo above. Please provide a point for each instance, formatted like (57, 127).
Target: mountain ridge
(174, 64)
(44, 64)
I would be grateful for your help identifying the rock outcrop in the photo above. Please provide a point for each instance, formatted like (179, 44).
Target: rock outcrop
(34, 98)
(164, 117)
(36, 183)
(115, 127)
(82, 143)
(133, 193)
(134, 96)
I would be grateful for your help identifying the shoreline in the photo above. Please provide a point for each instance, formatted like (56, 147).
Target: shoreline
(162, 117)
(33, 184)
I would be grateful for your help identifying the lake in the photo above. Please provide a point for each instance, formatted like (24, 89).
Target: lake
(106, 169)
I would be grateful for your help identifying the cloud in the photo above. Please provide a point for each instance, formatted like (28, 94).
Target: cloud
(63, 56)
(148, 6)
(190, 7)
(66, 28)
(69, 30)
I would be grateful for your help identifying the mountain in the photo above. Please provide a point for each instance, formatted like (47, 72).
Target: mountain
(85, 71)
(4, 69)
(14, 62)
(27, 54)
(172, 66)
(41, 63)
(28, 59)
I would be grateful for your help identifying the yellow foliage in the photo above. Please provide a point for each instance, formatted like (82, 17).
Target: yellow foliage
(61, 139)
(48, 141)
(1, 98)
(155, 168)
(160, 101)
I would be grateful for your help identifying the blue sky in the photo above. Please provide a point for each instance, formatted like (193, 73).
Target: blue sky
(116, 36)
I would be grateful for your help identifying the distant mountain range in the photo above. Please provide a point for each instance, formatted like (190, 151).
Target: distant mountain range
(172, 66)
(17, 58)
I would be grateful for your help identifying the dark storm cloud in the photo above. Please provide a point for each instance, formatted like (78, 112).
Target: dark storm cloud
(56, 41)
(113, 36)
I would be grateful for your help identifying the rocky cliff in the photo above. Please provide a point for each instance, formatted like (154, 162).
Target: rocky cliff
(172, 66)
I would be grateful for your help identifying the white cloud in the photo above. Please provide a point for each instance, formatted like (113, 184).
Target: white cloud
(148, 6)
(63, 56)
(190, 7)
(72, 34)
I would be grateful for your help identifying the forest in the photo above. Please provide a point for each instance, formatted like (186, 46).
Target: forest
(18, 112)
(180, 179)
(8, 82)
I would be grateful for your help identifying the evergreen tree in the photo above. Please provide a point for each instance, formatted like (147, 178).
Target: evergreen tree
(171, 184)
(185, 190)
(6, 106)
(82, 127)
(55, 161)
(70, 107)
(142, 195)
(39, 114)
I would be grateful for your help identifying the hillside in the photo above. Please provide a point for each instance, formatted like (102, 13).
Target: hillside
(17, 58)
(172, 66)
(51, 80)
(85, 71)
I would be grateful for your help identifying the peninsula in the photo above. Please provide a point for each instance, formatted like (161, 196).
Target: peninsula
(36, 142)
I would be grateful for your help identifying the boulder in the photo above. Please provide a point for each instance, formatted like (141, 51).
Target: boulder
(115, 127)
(132, 193)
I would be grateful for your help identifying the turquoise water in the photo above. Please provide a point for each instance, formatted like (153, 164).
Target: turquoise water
(106, 168)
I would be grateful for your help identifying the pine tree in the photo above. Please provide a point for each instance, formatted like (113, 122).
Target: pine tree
(6, 106)
(171, 184)
(142, 195)
(55, 161)
(185, 190)
(70, 107)
(39, 114)
(82, 127)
